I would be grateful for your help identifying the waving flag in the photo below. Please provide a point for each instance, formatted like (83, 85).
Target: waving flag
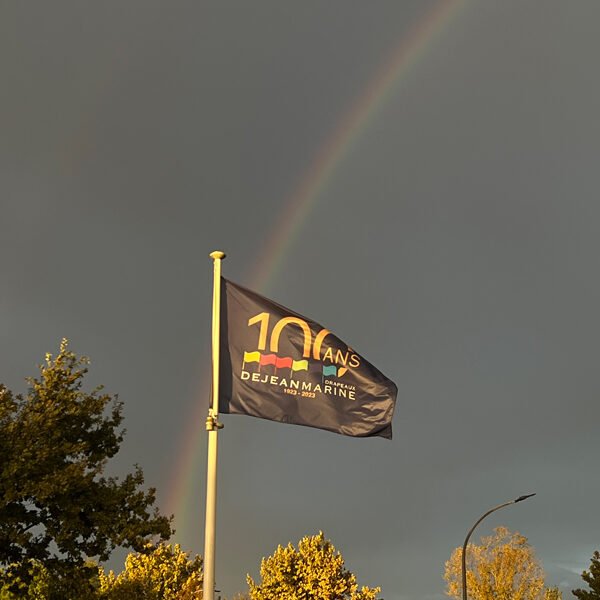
(278, 365)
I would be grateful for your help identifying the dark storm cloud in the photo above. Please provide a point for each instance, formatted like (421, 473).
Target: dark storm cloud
(456, 246)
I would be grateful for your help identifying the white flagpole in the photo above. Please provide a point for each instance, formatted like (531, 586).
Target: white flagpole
(212, 426)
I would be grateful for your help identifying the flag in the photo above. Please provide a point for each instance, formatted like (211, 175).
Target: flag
(279, 365)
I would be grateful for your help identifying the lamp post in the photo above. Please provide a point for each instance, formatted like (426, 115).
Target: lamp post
(464, 552)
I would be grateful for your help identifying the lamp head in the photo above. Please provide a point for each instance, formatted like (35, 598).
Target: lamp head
(520, 498)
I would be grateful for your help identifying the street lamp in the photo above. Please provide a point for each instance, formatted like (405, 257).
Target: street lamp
(464, 552)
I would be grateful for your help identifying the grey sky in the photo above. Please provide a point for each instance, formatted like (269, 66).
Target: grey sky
(456, 247)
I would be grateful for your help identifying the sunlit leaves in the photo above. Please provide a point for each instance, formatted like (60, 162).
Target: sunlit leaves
(503, 567)
(315, 571)
(165, 573)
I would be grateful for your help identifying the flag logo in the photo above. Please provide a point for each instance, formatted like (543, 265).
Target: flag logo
(279, 365)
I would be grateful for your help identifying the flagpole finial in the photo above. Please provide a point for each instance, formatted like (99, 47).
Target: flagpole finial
(217, 254)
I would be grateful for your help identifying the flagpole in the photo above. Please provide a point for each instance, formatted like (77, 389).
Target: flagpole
(212, 426)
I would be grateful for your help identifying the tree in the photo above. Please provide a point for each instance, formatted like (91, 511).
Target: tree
(552, 593)
(504, 567)
(592, 578)
(39, 584)
(166, 573)
(313, 572)
(56, 506)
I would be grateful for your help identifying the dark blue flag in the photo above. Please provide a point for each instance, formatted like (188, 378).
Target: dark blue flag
(278, 365)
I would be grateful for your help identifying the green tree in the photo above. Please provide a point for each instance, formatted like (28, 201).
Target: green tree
(313, 572)
(166, 573)
(503, 567)
(56, 506)
(36, 587)
(592, 578)
(40, 584)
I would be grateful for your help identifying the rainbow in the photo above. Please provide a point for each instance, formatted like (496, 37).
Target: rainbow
(327, 160)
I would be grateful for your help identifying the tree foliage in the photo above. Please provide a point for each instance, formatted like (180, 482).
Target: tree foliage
(552, 593)
(56, 506)
(503, 567)
(592, 578)
(315, 571)
(36, 586)
(38, 583)
(165, 573)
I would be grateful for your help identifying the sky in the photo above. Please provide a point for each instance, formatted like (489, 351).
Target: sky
(420, 177)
